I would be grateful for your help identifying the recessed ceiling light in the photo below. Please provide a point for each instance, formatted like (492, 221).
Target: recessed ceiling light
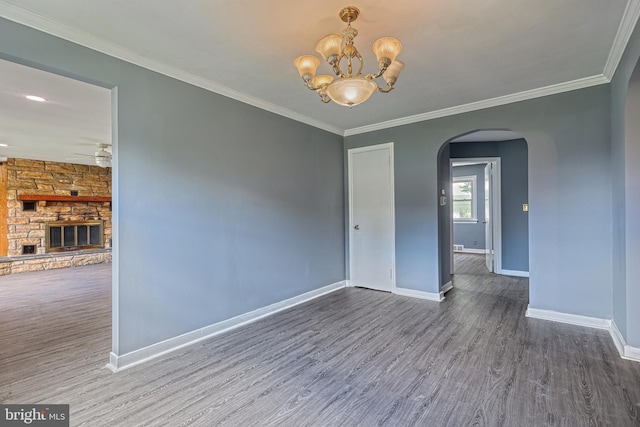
(35, 98)
(3, 145)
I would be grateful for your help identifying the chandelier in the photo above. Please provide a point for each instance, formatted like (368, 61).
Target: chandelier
(351, 88)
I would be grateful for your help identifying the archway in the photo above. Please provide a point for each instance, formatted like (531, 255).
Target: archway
(474, 149)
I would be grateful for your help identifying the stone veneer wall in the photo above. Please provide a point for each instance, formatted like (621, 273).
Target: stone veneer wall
(50, 261)
(34, 177)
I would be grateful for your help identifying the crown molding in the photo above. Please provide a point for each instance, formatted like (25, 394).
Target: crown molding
(38, 22)
(480, 105)
(627, 25)
(30, 19)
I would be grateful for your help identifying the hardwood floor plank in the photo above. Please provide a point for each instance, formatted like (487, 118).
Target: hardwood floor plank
(354, 357)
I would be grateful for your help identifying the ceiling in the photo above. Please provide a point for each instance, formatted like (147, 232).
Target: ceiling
(460, 55)
(65, 128)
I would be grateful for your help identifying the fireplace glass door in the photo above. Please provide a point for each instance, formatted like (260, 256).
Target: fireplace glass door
(63, 236)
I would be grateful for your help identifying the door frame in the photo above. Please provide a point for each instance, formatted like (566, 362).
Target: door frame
(389, 147)
(496, 202)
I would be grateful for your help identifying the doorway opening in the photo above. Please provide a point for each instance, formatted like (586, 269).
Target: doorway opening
(483, 209)
(55, 212)
(476, 209)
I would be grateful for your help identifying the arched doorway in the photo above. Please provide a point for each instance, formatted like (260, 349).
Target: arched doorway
(462, 165)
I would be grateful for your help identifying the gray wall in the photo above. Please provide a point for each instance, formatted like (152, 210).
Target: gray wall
(444, 219)
(276, 219)
(471, 234)
(223, 208)
(514, 174)
(515, 192)
(625, 158)
(568, 138)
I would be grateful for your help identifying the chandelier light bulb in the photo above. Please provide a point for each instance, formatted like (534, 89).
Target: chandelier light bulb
(306, 65)
(329, 46)
(391, 75)
(387, 48)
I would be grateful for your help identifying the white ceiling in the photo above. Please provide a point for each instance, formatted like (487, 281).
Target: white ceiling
(75, 117)
(460, 55)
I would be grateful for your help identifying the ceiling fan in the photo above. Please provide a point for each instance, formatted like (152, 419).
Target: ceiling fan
(102, 157)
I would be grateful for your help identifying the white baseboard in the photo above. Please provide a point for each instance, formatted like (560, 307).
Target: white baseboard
(516, 273)
(447, 287)
(431, 296)
(471, 251)
(119, 363)
(626, 351)
(572, 319)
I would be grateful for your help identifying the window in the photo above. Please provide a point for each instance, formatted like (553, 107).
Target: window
(465, 203)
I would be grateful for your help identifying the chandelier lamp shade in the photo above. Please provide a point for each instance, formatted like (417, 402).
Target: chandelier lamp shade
(351, 87)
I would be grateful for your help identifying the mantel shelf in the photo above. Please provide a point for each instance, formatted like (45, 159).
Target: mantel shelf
(53, 198)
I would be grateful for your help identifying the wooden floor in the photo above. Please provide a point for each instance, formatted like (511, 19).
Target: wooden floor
(354, 357)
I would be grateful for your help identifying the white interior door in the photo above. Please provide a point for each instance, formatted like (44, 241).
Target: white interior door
(488, 216)
(371, 219)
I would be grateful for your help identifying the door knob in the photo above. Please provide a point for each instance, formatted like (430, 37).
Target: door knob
(357, 227)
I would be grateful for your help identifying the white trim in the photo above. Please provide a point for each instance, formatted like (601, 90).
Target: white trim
(41, 23)
(572, 319)
(115, 225)
(446, 287)
(496, 205)
(431, 296)
(626, 351)
(119, 363)
(471, 251)
(497, 214)
(516, 273)
(618, 339)
(390, 148)
(627, 25)
(631, 353)
(487, 103)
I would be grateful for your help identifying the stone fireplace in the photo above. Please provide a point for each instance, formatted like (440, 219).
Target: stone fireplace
(53, 215)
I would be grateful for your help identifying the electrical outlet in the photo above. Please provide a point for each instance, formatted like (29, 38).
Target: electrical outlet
(525, 207)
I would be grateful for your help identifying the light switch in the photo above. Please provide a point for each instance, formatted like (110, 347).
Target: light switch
(525, 207)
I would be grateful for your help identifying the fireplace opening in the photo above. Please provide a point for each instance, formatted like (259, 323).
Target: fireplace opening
(63, 236)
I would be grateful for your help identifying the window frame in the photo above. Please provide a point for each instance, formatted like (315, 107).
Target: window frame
(474, 198)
